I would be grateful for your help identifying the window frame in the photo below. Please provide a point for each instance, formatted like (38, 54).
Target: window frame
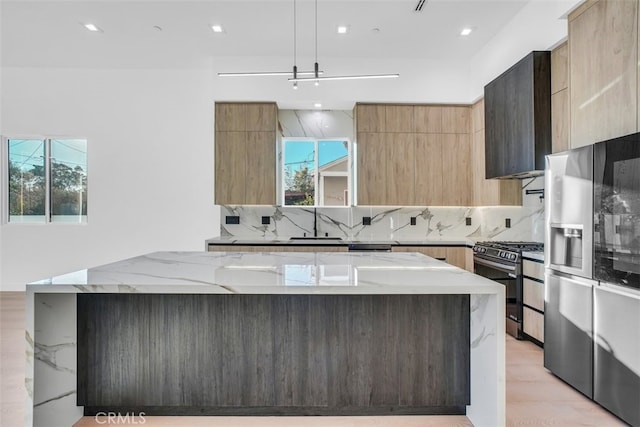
(316, 179)
(4, 190)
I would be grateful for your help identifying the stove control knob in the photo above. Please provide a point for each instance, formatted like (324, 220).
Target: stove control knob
(512, 257)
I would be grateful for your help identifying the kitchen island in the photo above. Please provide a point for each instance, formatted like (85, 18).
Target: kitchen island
(266, 333)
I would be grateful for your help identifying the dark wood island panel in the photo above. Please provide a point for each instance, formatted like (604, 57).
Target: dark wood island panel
(220, 354)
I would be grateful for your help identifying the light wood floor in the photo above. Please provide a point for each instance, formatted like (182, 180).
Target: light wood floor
(534, 396)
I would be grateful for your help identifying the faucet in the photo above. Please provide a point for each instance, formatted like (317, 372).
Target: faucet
(315, 222)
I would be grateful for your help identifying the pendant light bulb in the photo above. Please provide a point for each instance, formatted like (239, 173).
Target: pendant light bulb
(317, 83)
(295, 85)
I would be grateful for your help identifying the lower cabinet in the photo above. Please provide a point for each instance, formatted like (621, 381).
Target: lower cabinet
(460, 256)
(533, 299)
(283, 354)
(276, 248)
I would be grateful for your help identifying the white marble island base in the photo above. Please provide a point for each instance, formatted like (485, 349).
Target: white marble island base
(51, 315)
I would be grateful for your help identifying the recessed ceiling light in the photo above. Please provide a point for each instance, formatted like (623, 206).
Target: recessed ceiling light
(217, 28)
(92, 27)
(317, 105)
(343, 29)
(465, 31)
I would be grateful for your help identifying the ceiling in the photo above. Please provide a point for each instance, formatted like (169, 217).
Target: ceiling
(436, 63)
(178, 33)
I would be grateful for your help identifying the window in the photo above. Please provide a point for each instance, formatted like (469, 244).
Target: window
(47, 180)
(316, 172)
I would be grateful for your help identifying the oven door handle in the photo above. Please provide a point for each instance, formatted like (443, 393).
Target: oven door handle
(502, 267)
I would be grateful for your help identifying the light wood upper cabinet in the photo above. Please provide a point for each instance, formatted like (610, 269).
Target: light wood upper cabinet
(456, 119)
(439, 163)
(372, 169)
(260, 171)
(428, 170)
(370, 118)
(230, 117)
(230, 152)
(245, 153)
(603, 71)
(261, 117)
(477, 116)
(399, 118)
(560, 121)
(560, 68)
(427, 118)
(400, 155)
(456, 177)
(560, 98)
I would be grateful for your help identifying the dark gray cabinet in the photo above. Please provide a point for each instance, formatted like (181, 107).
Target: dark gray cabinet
(273, 354)
(518, 118)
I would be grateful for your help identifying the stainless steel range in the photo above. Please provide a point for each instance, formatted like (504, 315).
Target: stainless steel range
(502, 262)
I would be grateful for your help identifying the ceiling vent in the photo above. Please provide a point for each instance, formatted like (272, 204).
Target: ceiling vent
(420, 5)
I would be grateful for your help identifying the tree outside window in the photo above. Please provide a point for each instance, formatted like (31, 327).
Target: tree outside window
(47, 180)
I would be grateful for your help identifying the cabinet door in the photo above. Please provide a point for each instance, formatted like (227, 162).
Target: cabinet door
(400, 160)
(260, 180)
(372, 169)
(494, 113)
(370, 118)
(603, 57)
(429, 170)
(437, 252)
(456, 119)
(456, 160)
(261, 117)
(427, 118)
(517, 152)
(230, 117)
(230, 152)
(457, 257)
(399, 118)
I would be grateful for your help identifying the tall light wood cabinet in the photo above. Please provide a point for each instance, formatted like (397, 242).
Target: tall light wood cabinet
(603, 71)
(401, 168)
(560, 98)
(245, 153)
(430, 171)
(372, 169)
(456, 177)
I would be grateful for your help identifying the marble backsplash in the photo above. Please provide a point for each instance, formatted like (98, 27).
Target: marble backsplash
(387, 223)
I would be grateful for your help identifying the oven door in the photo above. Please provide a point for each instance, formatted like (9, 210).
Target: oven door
(506, 274)
(617, 211)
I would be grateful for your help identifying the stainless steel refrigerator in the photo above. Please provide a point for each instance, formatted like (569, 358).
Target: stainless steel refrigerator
(568, 311)
(617, 268)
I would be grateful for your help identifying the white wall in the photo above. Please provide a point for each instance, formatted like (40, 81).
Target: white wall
(150, 154)
(540, 25)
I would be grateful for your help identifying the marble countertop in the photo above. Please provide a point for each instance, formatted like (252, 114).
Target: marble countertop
(435, 241)
(272, 273)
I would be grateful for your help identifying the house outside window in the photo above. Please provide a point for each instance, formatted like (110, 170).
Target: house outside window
(316, 172)
(47, 180)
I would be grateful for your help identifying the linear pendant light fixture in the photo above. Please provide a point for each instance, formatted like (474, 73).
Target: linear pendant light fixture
(316, 77)
(295, 73)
